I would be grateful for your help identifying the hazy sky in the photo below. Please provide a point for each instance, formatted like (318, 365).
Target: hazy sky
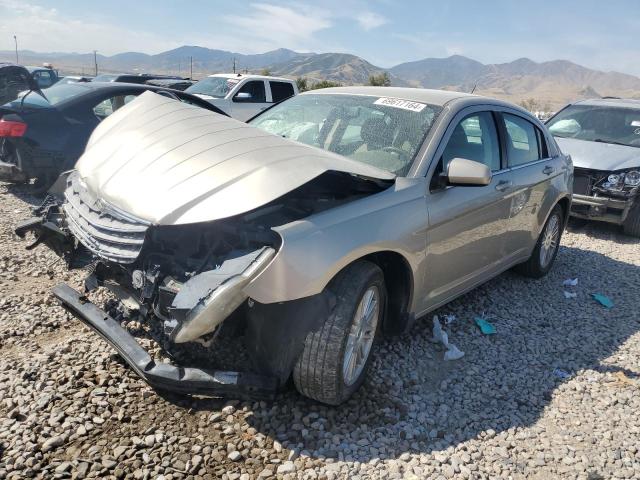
(594, 33)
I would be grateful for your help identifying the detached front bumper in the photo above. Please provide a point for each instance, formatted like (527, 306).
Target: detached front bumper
(604, 209)
(184, 380)
(9, 172)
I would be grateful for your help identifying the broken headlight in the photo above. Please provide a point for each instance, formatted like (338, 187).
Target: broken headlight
(625, 183)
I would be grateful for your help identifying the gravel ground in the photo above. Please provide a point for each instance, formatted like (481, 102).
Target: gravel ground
(69, 408)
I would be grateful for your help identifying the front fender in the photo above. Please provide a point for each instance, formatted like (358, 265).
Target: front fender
(314, 250)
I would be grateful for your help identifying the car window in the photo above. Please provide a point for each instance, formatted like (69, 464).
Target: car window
(43, 78)
(281, 91)
(110, 105)
(474, 138)
(522, 142)
(256, 89)
(598, 123)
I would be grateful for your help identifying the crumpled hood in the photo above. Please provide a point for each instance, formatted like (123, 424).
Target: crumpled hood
(600, 156)
(168, 162)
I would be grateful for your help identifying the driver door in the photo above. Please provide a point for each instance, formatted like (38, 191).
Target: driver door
(245, 108)
(467, 224)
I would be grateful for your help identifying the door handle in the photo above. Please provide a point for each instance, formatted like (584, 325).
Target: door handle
(548, 170)
(503, 185)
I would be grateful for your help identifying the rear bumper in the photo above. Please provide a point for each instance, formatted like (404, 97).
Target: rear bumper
(184, 380)
(600, 208)
(10, 172)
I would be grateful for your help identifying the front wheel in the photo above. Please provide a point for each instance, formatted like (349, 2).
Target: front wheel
(547, 246)
(335, 358)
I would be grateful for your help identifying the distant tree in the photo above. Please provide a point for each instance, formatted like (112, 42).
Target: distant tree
(324, 84)
(380, 80)
(530, 104)
(266, 72)
(303, 84)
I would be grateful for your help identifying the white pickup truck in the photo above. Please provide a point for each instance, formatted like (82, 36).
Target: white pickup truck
(243, 96)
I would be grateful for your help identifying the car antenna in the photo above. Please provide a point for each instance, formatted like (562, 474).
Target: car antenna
(474, 88)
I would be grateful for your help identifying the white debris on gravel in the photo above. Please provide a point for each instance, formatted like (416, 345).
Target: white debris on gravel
(70, 408)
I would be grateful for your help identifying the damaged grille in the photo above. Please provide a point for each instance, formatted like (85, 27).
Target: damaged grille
(584, 180)
(106, 232)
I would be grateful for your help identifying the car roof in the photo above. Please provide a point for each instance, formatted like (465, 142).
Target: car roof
(610, 102)
(421, 95)
(249, 75)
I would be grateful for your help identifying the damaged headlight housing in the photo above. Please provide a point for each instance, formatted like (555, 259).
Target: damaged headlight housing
(626, 182)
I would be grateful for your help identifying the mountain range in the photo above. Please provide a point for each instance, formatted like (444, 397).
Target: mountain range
(551, 84)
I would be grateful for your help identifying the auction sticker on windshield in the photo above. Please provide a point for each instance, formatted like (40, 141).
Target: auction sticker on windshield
(399, 103)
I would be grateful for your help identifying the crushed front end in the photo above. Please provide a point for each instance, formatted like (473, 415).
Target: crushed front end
(188, 277)
(187, 281)
(604, 195)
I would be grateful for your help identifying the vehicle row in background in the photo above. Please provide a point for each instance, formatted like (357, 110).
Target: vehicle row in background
(44, 132)
(243, 96)
(603, 138)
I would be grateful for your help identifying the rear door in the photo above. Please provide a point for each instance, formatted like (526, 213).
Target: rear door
(532, 171)
(467, 224)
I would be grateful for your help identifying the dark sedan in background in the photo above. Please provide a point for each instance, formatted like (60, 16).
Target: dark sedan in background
(43, 133)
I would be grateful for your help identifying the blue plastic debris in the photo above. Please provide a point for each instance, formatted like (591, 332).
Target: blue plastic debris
(558, 372)
(485, 327)
(602, 299)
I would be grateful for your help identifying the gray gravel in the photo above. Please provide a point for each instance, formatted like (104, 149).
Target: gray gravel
(69, 408)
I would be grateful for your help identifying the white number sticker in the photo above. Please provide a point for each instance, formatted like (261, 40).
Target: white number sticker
(399, 103)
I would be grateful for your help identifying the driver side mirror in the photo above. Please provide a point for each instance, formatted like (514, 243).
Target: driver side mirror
(243, 97)
(462, 171)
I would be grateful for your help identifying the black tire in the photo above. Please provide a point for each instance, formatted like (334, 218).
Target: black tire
(318, 372)
(631, 225)
(534, 267)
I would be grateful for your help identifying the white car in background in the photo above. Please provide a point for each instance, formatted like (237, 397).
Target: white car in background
(243, 96)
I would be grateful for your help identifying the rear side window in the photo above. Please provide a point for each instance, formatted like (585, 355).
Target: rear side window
(256, 89)
(281, 91)
(524, 141)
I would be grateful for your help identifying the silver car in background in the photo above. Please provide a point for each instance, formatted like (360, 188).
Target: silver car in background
(331, 219)
(603, 138)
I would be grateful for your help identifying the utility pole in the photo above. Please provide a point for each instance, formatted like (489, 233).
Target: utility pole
(95, 60)
(191, 68)
(234, 64)
(15, 39)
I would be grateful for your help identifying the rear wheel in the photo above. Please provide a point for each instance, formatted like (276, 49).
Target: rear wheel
(335, 358)
(631, 225)
(546, 249)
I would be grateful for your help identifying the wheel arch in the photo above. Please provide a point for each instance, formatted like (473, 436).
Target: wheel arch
(399, 282)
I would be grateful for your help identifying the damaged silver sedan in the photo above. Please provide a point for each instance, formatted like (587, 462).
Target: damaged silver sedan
(329, 220)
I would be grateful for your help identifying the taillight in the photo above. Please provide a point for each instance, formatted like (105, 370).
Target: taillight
(12, 129)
